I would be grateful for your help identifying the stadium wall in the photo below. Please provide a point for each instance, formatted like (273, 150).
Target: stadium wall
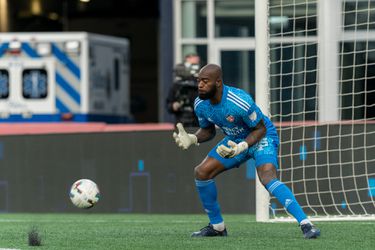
(139, 169)
(137, 172)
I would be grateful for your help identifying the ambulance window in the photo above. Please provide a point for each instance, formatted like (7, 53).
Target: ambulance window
(34, 83)
(4, 84)
(117, 73)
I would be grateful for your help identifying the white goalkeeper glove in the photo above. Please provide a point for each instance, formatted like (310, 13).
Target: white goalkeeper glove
(183, 139)
(233, 149)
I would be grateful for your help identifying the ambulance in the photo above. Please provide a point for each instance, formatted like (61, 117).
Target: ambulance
(64, 76)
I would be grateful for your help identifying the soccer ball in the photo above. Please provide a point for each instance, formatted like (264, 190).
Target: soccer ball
(84, 193)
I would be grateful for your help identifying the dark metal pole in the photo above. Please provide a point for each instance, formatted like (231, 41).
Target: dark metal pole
(165, 56)
(65, 19)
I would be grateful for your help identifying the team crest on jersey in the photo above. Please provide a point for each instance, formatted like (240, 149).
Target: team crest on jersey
(230, 118)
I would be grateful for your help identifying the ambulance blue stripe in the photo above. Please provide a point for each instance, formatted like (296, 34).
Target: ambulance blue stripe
(68, 88)
(3, 48)
(61, 107)
(29, 51)
(64, 59)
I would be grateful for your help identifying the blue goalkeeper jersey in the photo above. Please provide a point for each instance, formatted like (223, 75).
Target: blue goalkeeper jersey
(236, 114)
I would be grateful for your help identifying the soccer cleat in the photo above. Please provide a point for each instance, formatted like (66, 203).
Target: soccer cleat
(209, 231)
(310, 231)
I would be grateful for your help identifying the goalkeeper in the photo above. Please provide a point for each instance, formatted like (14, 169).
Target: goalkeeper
(249, 134)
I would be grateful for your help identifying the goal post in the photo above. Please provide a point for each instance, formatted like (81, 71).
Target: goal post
(262, 93)
(315, 78)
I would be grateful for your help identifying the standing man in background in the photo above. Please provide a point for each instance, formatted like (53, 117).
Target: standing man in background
(249, 134)
(180, 100)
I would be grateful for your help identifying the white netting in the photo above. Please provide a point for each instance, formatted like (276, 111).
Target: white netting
(329, 165)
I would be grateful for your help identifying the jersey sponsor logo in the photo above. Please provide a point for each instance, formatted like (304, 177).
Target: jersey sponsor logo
(233, 131)
(230, 118)
(253, 116)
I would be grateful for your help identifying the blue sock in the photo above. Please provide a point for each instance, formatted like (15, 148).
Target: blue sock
(208, 195)
(286, 198)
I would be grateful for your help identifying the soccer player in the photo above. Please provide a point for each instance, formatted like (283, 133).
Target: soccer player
(249, 134)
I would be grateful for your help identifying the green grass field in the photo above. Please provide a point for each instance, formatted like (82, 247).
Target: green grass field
(128, 231)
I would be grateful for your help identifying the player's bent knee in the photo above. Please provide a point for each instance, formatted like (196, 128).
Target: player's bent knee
(266, 173)
(265, 180)
(201, 174)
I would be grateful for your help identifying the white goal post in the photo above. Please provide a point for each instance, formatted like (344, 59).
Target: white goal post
(315, 78)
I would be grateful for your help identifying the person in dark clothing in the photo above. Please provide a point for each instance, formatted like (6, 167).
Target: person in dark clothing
(180, 100)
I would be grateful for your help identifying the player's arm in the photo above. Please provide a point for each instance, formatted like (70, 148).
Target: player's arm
(257, 134)
(184, 140)
(205, 134)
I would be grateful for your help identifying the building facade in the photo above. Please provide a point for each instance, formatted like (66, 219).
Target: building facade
(311, 43)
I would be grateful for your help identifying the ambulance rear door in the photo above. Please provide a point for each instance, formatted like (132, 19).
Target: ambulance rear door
(27, 87)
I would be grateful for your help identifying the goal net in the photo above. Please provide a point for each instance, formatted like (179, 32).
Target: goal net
(321, 68)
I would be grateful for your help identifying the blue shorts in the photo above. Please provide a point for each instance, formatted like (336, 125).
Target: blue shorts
(264, 151)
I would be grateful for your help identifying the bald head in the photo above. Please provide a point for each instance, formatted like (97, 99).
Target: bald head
(210, 84)
(212, 70)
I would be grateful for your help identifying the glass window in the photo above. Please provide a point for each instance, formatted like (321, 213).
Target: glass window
(4, 84)
(293, 82)
(116, 69)
(194, 19)
(234, 18)
(358, 15)
(239, 69)
(293, 17)
(357, 80)
(34, 83)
